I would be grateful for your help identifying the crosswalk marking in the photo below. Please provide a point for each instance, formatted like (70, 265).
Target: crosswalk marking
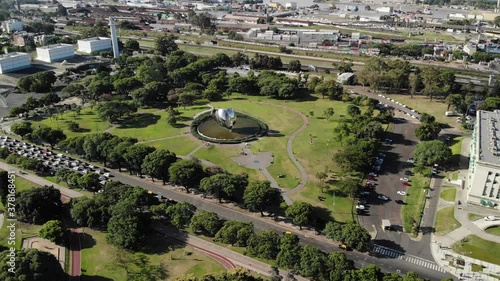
(411, 259)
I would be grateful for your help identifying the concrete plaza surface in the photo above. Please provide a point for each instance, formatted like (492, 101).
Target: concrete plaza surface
(441, 246)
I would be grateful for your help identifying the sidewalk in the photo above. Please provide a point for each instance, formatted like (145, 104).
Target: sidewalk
(41, 181)
(441, 246)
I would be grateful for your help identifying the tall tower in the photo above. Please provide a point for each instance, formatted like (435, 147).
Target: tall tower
(114, 37)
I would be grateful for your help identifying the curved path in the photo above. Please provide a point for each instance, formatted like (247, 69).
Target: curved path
(289, 148)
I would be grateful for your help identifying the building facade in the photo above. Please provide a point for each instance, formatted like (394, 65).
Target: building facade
(54, 53)
(483, 184)
(94, 44)
(14, 61)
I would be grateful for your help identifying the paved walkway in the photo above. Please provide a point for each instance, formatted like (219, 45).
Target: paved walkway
(441, 245)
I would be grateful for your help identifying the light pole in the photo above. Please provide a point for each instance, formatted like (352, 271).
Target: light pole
(333, 203)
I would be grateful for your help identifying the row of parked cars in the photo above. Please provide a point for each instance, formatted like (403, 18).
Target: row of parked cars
(370, 185)
(401, 104)
(53, 161)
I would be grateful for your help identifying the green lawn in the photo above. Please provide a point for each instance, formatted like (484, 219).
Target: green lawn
(473, 217)
(445, 221)
(338, 208)
(221, 156)
(478, 248)
(495, 230)
(87, 119)
(153, 125)
(180, 146)
(98, 261)
(423, 104)
(456, 149)
(448, 194)
(414, 202)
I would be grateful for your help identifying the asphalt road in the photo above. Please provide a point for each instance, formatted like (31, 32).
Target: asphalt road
(360, 259)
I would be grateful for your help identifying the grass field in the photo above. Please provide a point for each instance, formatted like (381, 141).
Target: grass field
(445, 221)
(448, 194)
(495, 230)
(414, 201)
(152, 125)
(180, 146)
(473, 217)
(98, 261)
(88, 120)
(436, 107)
(478, 248)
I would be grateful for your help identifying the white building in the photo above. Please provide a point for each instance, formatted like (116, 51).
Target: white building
(291, 5)
(94, 44)
(56, 52)
(483, 187)
(470, 49)
(14, 61)
(12, 25)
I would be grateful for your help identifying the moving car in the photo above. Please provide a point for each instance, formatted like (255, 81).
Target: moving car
(345, 247)
(401, 193)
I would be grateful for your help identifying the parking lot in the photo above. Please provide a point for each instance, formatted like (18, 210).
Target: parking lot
(53, 161)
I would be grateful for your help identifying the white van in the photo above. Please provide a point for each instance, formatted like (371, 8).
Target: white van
(449, 113)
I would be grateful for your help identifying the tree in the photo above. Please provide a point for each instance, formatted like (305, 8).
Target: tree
(99, 87)
(206, 223)
(490, 103)
(48, 135)
(216, 185)
(38, 205)
(187, 99)
(166, 44)
(432, 152)
(294, 66)
(138, 266)
(347, 187)
(89, 181)
(186, 173)
(329, 113)
(232, 35)
(157, 163)
(427, 131)
(235, 233)
(22, 129)
(301, 213)
(135, 156)
(127, 226)
(53, 231)
(312, 261)
(496, 21)
(73, 126)
(356, 236)
(353, 111)
(259, 196)
(289, 251)
(180, 214)
(338, 265)
(264, 244)
(31, 264)
(132, 45)
(373, 73)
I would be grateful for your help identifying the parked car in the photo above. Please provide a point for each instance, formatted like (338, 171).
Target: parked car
(360, 207)
(404, 179)
(400, 192)
(399, 202)
(410, 160)
(372, 174)
(490, 218)
(405, 183)
(383, 198)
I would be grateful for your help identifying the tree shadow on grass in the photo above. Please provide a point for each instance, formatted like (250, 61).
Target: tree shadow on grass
(92, 278)
(140, 121)
(158, 243)
(87, 241)
(274, 133)
(183, 118)
(180, 125)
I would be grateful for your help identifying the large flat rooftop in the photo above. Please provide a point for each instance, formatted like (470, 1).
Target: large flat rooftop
(12, 55)
(489, 136)
(94, 39)
(56, 46)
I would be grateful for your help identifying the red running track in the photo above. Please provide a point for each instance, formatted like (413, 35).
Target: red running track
(75, 247)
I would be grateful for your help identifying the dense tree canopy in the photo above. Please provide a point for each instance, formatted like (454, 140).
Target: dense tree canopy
(32, 265)
(38, 205)
(432, 152)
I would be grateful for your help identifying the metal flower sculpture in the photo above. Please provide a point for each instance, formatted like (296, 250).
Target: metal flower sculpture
(225, 117)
